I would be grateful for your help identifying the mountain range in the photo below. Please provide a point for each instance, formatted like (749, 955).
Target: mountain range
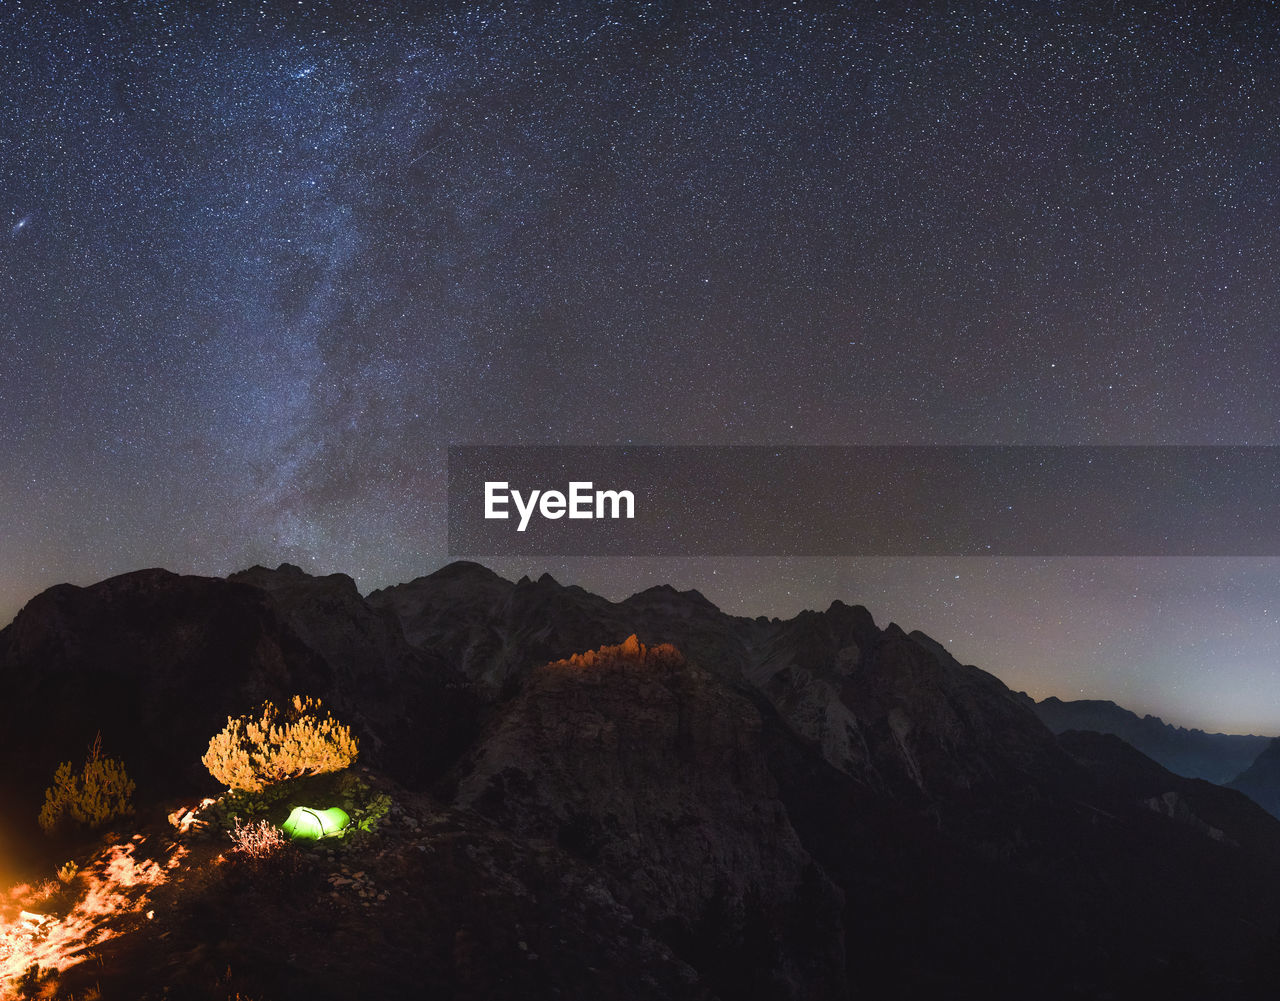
(1218, 757)
(707, 806)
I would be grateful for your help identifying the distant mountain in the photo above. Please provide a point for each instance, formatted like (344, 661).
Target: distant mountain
(1261, 780)
(1217, 757)
(816, 807)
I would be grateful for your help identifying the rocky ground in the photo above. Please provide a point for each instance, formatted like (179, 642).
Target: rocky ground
(438, 902)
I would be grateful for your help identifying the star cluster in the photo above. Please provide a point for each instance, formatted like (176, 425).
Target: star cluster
(266, 261)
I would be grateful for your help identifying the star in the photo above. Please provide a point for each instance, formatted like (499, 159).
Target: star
(374, 233)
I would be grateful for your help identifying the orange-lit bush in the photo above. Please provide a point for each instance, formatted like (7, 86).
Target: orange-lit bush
(252, 753)
(630, 649)
(99, 793)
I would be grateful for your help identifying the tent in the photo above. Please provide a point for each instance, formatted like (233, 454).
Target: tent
(306, 824)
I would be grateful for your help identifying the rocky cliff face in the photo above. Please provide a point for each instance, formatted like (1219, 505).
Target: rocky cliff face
(897, 711)
(654, 770)
(363, 647)
(803, 665)
(889, 709)
(494, 631)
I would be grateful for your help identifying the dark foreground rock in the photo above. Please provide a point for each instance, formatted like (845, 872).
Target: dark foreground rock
(656, 772)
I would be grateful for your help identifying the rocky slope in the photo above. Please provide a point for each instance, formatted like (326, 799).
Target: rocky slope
(646, 766)
(437, 903)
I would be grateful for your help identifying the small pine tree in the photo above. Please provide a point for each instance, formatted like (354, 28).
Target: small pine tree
(252, 753)
(100, 793)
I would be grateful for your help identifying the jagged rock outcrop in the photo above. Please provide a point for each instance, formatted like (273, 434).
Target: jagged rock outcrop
(494, 631)
(651, 768)
(897, 711)
(713, 640)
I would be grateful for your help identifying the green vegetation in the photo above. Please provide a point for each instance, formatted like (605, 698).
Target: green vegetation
(98, 794)
(346, 791)
(370, 812)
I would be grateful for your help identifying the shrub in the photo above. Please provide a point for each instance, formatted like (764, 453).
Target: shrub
(259, 839)
(48, 897)
(252, 753)
(370, 814)
(100, 793)
(630, 650)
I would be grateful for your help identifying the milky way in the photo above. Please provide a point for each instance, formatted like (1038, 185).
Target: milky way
(267, 261)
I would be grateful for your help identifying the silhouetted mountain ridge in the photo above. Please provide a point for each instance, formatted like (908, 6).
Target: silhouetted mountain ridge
(1261, 780)
(813, 807)
(1218, 757)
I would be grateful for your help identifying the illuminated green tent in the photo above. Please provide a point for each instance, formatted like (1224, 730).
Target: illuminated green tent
(306, 824)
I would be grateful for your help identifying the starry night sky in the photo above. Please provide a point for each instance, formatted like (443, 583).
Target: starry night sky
(263, 263)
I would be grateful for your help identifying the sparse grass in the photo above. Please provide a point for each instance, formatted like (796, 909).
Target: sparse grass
(258, 839)
(48, 896)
